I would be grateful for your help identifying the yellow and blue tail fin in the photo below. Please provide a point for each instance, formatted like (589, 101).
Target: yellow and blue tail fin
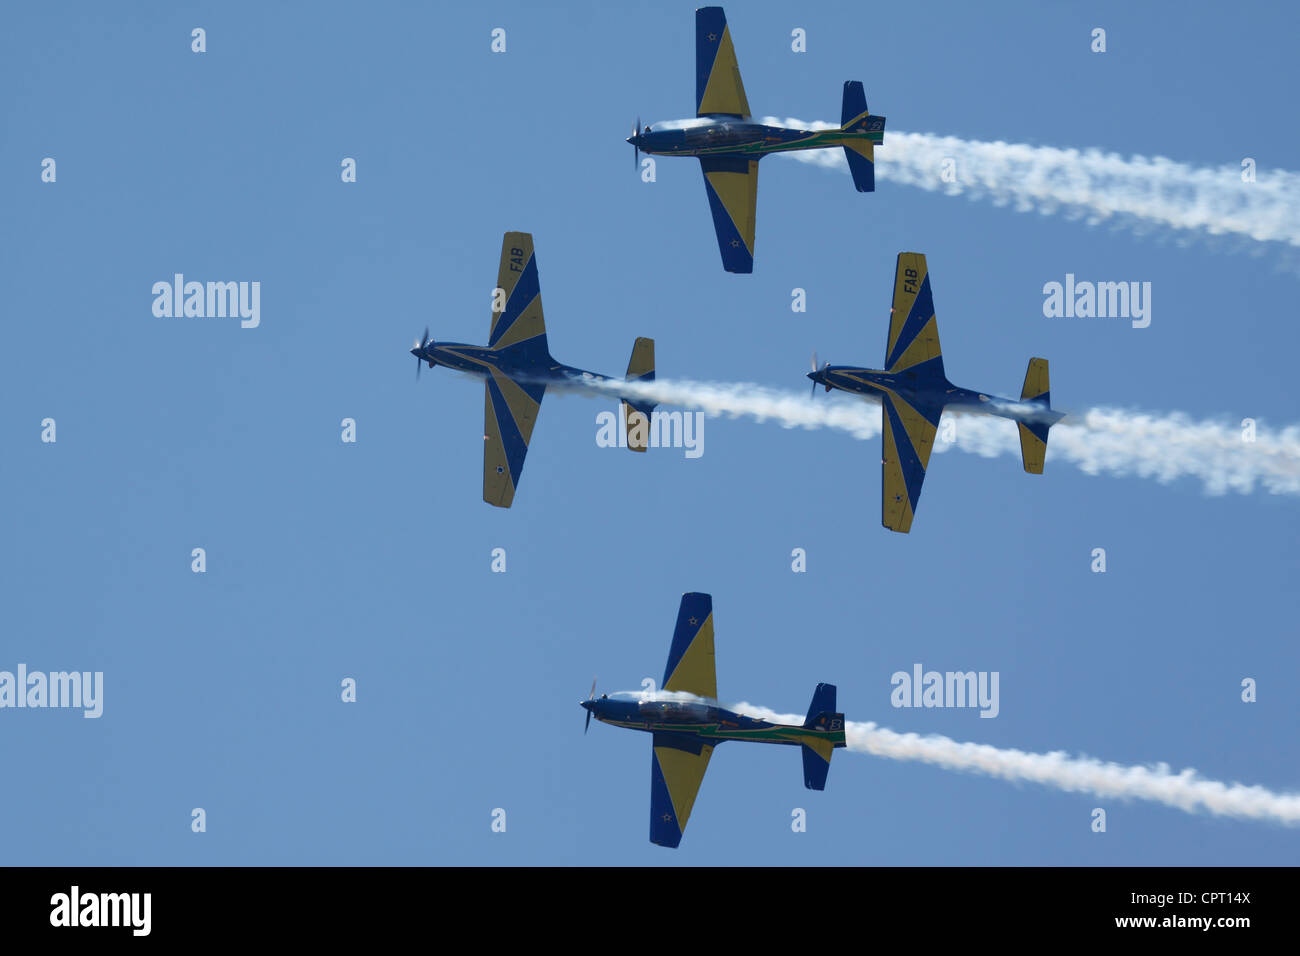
(1033, 435)
(817, 747)
(636, 411)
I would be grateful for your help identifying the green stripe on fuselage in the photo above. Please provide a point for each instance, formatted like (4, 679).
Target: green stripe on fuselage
(821, 139)
(777, 734)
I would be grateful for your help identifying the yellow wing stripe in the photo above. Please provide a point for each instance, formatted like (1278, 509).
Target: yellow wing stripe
(522, 406)
(923, 348)
(739, 194)
(909, 277)
(516, 252)
(896, 506)
(896, 500)
(529, 325)
(683, 772)
(724, 92)
(919, 430)
(696, 672)
(498, 488)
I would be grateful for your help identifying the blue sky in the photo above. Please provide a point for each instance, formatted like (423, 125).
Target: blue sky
(371, 560)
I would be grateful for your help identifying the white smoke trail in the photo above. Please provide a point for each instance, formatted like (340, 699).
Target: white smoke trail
(1185, 790)
(1091, 183)
(1097, 441)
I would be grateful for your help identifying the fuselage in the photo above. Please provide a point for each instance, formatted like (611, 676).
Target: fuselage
(931, 392)
(709, 722)
(535, 365)
(730, 136)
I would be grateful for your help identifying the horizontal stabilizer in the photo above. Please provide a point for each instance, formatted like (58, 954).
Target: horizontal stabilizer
(1033, 435)
(815, 768)
(1037, 386)
(637, 412)
(854, 108)
(862, 164)
(856, 119)
(823, 701)
(818, 747)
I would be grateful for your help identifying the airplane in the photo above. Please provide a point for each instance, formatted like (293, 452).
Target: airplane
(913, 391)
(729, 143)
(688, 727)
(516, 367)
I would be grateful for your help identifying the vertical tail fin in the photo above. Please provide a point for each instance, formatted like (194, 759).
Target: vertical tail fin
(827, 728)
(637, 412)
(1033, 435)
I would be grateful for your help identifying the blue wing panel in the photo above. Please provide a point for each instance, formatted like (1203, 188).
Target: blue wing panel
(664, 830)
(718, 88)
(516, 447)
(526, 289)
(908, 440)
(921, 312)
(690, 665)
(510, 413)
(732, 187)
(908, 459)
(913, 327)
(677, 766)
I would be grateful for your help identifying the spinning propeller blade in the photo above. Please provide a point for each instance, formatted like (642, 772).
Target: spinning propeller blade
(590, 696)
(420, 346)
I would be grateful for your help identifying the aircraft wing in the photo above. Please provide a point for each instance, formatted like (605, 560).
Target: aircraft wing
(677, 765)
(913, 328)
(509, 414)
(909, 436)
(517, 306)
(690, 660)
(718, 89)
(732, 185)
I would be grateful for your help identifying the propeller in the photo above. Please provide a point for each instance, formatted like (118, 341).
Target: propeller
(816, 369)
(590, 696)
(420, 344)
(636, 150)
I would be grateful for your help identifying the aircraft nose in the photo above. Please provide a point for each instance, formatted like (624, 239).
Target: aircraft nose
(587, 704)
